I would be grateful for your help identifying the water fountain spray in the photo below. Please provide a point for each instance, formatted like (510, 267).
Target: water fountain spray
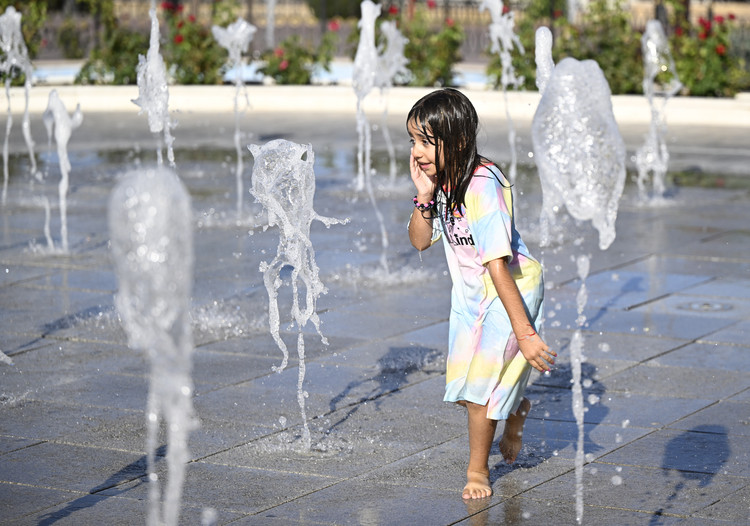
(580, 155)
(363, 80)
(652, 157)
(270, 23)
(236, 39)
(153, 91)
(503, 40)
(60, 125)
(15, 60)
(391, 64)
(150, 223)
(283, 182)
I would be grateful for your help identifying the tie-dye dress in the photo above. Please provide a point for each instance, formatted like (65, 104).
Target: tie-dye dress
(484, 363)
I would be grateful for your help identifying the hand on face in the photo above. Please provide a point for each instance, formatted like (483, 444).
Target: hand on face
(424, 183)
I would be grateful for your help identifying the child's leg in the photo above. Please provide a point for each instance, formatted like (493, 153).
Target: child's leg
(510, 444)
(481, 435)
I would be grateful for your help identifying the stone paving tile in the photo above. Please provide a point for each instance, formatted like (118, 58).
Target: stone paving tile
(735, 334)
(43, 420)
(682, 382)
(357, 438)
(707, 356)
(103, 390)
(18, 500)
(644, 323)
(72, 468)
(443, 467)
(613, 346)
(733, 507)
(11, 443)
(642, 489)
(623, 289)
(616, 409)
(112, 510)
(236, 489)
(14, 274)
(716, 307)
(689, 264)
(386, 505)
(728, 416)
(526, 510)
(743, 396)
(703, 449)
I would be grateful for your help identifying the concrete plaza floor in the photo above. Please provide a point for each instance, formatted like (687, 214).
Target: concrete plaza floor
(666, 376)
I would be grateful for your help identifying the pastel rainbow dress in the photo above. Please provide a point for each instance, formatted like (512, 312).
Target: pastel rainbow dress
(484, 363)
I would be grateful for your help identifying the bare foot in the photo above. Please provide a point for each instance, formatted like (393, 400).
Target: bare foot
(510, 443)
(477, 485)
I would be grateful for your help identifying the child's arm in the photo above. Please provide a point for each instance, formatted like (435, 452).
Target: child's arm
(533, 348)
(420, 225)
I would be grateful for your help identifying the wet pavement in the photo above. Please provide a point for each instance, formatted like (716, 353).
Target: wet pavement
(666, 377)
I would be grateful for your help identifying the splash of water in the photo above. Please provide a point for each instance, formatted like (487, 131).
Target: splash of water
(503, 40)
(580, 155)
(283, 182)
(150, 226)
(15, 60)
(236, 38)
(391, 64)
(577, 145)
(270, 23)
(367, 74)
(153, 90)
(652, 157)
(60, 125)
(363, 80)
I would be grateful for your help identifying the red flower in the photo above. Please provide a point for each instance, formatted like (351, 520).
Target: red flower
(731, 16)
(284, 64)
(450, 22)
(178, 39)
(191, 18)
(719, 19)
(167, 6)
(506, 9)
(279, 52)
(705, 24)
(393, 10)
(180, 24)
(334, 25)
(721, 49)
(702, 35)
(678, 31)
(557, 13)
(431, 4)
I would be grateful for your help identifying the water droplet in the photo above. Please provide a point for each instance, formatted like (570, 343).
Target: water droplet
(616, 480)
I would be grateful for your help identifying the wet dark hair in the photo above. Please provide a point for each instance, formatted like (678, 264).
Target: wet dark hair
(449, 121)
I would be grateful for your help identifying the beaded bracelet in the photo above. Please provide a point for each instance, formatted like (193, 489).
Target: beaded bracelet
(423, 206)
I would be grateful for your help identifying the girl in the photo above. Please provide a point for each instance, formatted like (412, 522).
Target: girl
(497, 293)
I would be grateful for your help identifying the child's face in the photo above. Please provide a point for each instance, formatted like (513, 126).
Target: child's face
(423, 148)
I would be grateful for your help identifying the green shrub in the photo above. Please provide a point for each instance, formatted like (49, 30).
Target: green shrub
(192, 54)
(33, 17)
(604, 35)
(433, 48)
(69, 39)
(335, 8)
(292, 62)
(703, 60)
(115, 61)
